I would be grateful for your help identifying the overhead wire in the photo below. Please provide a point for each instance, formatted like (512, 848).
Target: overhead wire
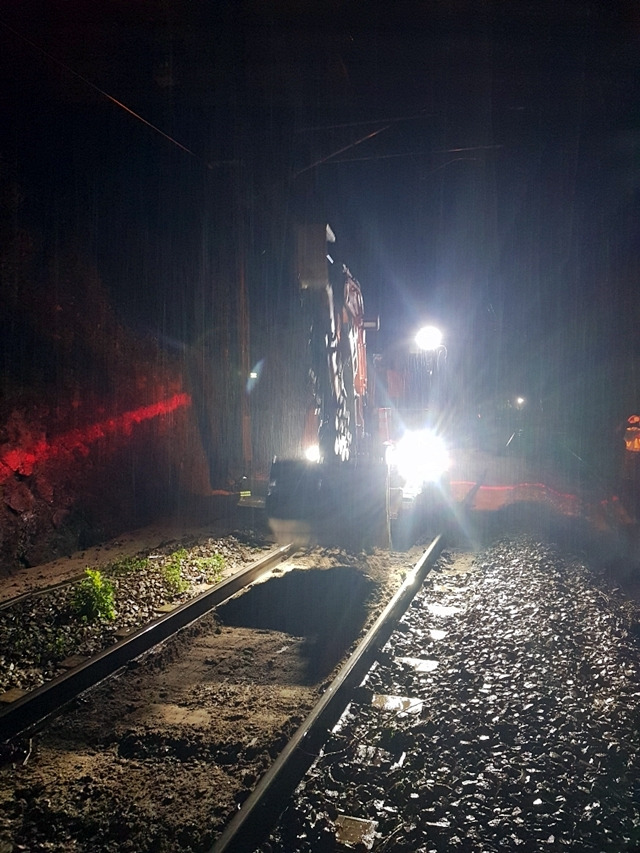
(102, 92)
(211, 165)
(322, 160)
(156, 129)
(420, 154)
(387, 120)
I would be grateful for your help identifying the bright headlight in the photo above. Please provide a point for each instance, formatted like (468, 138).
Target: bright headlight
(419, 457)
(312, 453)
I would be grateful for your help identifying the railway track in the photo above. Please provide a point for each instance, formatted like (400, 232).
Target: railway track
(159, 756)
(248, 827)
(491, 704)
(36, 705)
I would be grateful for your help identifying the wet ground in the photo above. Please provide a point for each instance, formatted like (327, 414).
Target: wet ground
(502, 716)
(159, 757)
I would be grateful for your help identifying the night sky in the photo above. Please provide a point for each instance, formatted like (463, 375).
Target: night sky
(478, 161)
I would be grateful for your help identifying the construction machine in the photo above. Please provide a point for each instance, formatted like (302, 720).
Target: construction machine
(368, 478)
(337, 494)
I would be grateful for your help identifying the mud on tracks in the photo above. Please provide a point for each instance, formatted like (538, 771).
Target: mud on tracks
(160, 760)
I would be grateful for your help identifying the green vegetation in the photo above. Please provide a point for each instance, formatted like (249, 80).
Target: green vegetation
(127, 565)
(94, 597)
(56, 647)
(172, 572)
(211, 566)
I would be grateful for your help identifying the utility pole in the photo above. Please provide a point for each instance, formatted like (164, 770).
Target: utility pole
(244, 353)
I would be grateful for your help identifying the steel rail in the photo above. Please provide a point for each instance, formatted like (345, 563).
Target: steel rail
(38, 593)
(260, 811)
(43, 702)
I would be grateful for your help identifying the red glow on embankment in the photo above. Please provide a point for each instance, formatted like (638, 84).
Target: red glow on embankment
(22, 460)
(495, 497)
(601, 513)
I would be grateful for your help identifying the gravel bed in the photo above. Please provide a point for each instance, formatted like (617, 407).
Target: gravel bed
(522, 732)
(39, 632)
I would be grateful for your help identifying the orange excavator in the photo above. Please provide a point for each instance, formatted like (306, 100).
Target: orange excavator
(338, 494)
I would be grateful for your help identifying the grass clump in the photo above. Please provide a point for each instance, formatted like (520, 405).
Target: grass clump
(94, 598)
(172, 569)
(172, 572)
(128, 565)
(211, 567)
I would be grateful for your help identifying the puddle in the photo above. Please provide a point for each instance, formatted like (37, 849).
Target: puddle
(442, 610)
(355, 832)
(399, 704)
(420, 664)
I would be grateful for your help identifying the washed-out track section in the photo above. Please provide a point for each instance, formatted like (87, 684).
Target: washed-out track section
(503, 714)
(248, 827)
(159, 756)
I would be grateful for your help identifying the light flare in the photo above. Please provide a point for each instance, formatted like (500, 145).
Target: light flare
(312, 453)
(419, 457)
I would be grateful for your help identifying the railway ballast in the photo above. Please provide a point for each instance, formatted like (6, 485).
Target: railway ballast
(502, 715)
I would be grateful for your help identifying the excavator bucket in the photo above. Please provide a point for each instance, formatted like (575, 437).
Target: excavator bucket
(327, 504)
